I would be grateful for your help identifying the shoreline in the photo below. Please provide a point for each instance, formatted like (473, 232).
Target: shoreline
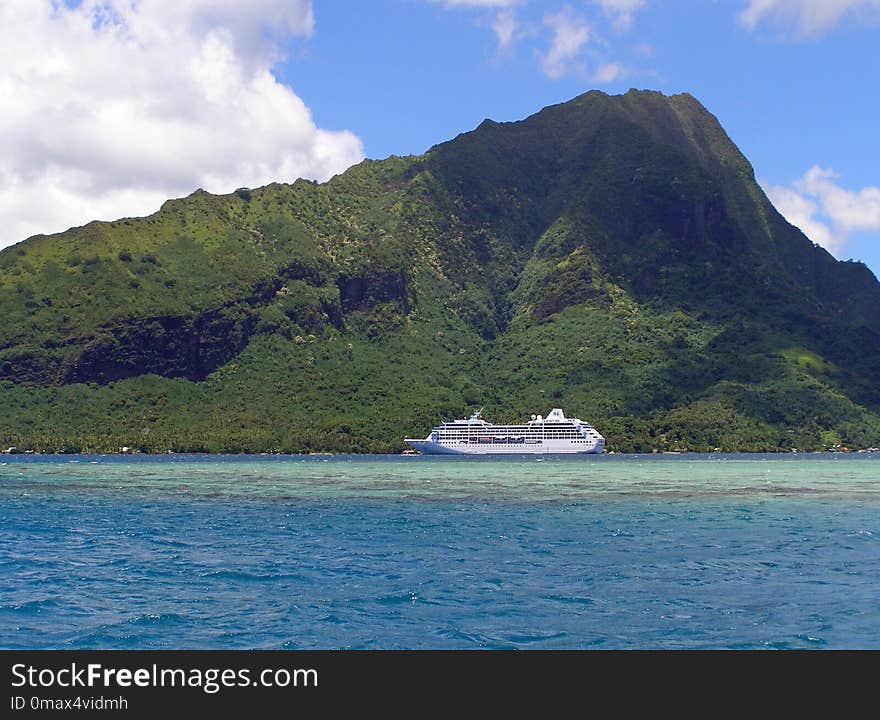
(873, 452)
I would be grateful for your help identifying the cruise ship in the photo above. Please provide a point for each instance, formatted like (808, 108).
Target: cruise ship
(551, 435)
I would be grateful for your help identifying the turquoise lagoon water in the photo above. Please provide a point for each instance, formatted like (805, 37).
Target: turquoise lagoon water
(748, 551)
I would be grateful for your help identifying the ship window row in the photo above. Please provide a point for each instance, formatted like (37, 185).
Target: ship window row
(548, 426)
(513, 430)
(546, 433)
(508, 428)
(530, 436)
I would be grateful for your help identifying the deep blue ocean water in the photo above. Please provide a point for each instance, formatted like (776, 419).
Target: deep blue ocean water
(417, 552)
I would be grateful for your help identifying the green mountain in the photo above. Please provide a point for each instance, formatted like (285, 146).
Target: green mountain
(612, 255)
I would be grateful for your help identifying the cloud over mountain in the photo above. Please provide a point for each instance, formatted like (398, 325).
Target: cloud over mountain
(570, 33)
(110, 107)
(826, 212)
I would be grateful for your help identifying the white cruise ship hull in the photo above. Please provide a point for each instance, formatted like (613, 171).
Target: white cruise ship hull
(560, 447)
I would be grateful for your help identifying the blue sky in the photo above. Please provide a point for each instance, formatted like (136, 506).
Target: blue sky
(136, 102)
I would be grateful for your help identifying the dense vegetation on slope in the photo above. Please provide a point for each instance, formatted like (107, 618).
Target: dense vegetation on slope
(610, 255)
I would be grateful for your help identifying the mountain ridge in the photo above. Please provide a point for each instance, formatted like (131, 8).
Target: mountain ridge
(624, 235)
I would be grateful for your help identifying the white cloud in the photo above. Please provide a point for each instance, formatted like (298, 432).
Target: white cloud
(826, 212)
(111, 107)
(505, 27)
(800, 211)
(609, 72)
(850, 210)
(621, 12)
(570, 34)
(808, 17)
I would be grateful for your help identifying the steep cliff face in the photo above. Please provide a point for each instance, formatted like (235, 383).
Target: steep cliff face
(612, 254)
